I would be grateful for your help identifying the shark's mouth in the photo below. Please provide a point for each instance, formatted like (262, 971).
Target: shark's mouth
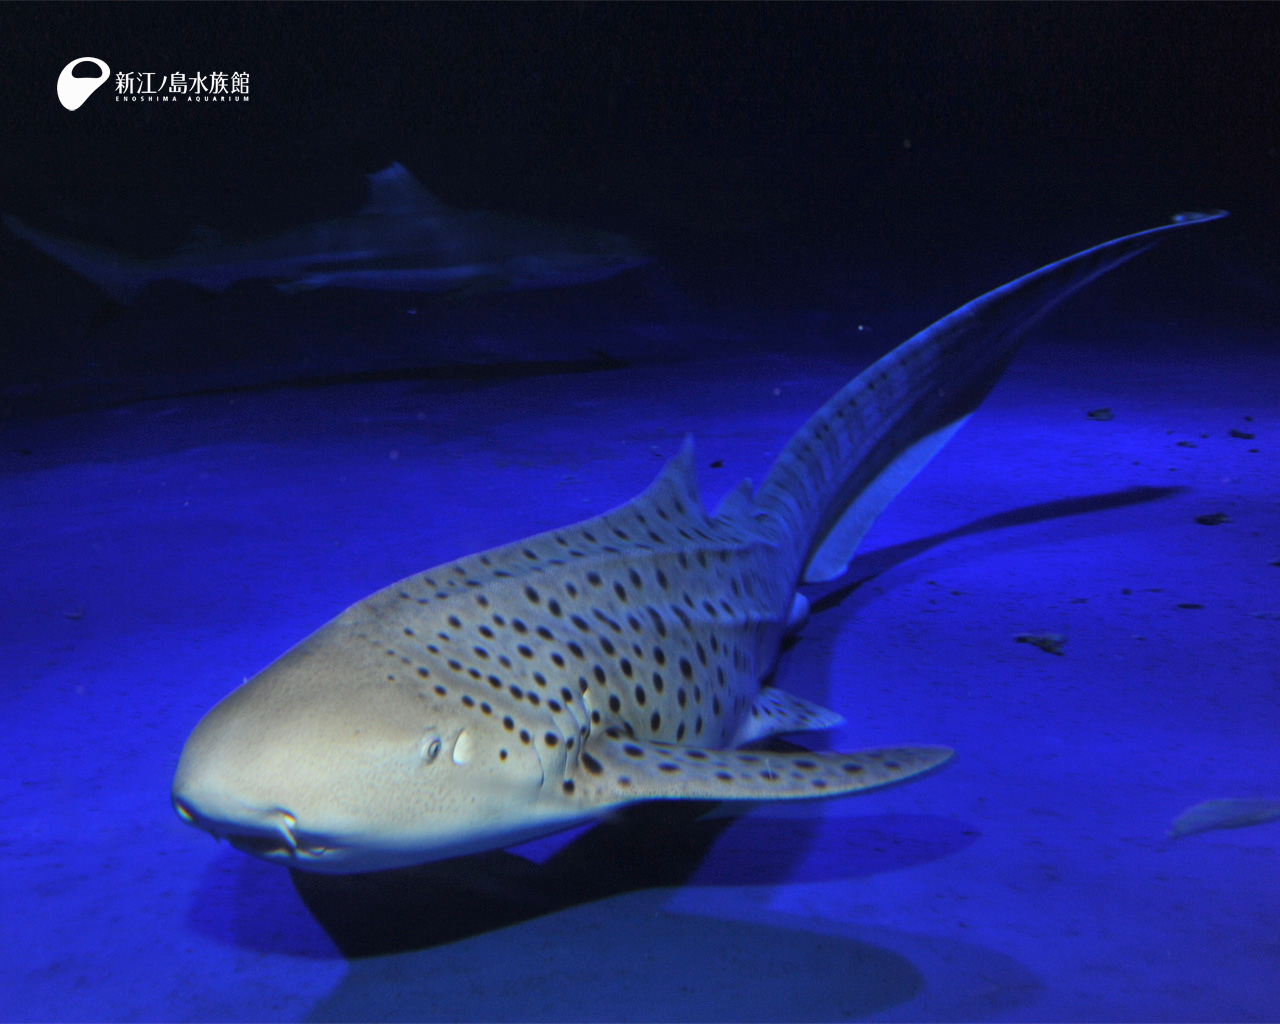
(272, 847)
(279, 841)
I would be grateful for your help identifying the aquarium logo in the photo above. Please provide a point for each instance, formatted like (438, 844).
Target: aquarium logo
(78, 81)
(85, 75)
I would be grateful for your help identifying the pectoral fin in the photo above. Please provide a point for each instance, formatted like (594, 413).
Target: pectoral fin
(614, 769)
(776, 712)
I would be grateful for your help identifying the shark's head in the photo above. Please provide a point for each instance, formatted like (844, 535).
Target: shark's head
(568, 256)
(339, 763)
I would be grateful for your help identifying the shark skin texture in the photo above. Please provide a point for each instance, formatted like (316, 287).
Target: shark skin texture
(403, 239)
(528, 688)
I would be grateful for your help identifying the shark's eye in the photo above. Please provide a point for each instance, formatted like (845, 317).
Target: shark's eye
(430, 749)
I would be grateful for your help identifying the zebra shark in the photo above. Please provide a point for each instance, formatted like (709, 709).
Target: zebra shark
(529, 688)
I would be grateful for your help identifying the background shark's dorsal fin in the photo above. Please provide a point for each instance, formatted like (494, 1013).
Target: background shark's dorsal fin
(396, 191)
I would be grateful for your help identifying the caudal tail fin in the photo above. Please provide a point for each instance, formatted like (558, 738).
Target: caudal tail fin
(861, 448)
(120, 277)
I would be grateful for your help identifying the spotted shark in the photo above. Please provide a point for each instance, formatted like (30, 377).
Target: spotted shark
(529, 688)
(402, 239)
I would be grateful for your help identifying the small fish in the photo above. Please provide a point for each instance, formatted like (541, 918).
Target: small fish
(1230, 813)
(526, 689)
(403, 239)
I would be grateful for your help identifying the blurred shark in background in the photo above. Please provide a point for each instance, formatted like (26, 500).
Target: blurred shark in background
(402, 239)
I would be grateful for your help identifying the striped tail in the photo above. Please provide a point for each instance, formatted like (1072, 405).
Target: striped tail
(868, 442)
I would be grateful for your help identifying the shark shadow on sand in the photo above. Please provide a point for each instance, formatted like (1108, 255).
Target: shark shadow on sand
(654, 846)
(867, 566)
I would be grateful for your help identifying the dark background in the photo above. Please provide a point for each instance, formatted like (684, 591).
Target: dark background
(796, 170)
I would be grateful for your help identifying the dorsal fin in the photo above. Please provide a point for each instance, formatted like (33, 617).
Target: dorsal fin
(395, 191)
(675, 489)
(739, 503)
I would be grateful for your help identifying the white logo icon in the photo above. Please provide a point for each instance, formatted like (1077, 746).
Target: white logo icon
(73, 91)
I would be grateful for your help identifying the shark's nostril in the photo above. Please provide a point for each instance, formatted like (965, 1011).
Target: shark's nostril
(183, 811)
